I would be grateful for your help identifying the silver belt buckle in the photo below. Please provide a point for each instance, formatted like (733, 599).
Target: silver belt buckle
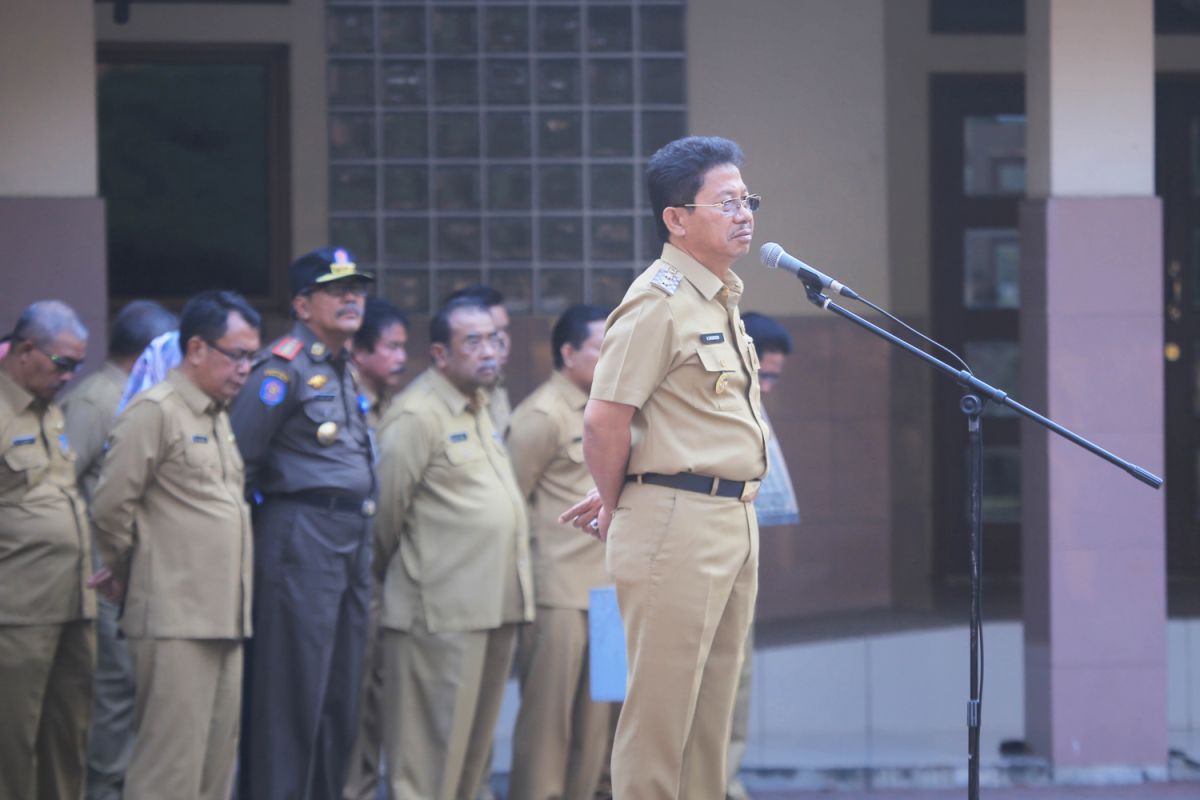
(368, 508)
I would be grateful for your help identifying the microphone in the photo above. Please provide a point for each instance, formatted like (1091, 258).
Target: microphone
(773, 256)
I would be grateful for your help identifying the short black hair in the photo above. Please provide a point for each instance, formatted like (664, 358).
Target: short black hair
(484, 295)
(207, 315)
(573, 328)
(439, 324)
(768, 335)
(676, 172)
(378, 316)
(137, 324)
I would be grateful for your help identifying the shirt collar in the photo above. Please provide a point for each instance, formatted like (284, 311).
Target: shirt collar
(13, 394)
(306, 335)
(115, 374)
(193, 396)
(574, 396)
(454, 399)
(700, 276)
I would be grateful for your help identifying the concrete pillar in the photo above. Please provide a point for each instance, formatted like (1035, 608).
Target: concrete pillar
(52, 242)
(1091, 350)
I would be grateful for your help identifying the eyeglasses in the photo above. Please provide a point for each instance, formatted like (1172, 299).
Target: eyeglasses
(474, 341)
(732, 205)
(64, 364)
(236, 356)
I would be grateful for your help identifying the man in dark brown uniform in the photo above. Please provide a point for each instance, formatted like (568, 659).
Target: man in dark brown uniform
(302, 429)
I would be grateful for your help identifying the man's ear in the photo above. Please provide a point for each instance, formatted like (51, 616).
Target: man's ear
(194, 350)
(437, 352)
(673, 218)
(300, 307)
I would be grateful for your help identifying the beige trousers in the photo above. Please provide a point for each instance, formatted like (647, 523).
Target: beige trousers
(740, 731)
(186, 718)
(442, 695)
(560, 739)
(45, 709)
(686, 570)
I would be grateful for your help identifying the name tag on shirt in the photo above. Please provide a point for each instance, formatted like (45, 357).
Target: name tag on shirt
(712, 338)
(20, 440)
(458, 437)
(200, 439)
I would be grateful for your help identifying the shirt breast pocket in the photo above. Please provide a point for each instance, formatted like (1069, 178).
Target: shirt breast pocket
(463, 452)
(22, 467)
(324, 407)
(202, 455)
(719, 369)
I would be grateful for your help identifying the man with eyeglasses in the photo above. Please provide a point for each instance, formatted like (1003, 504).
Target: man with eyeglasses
(675, 441)
(499, 404)
(452, 550)
(173, 530)
(47, 636)
(301, 427)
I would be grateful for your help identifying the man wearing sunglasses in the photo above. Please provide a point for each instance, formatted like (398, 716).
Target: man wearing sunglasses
(47, 634)
(301, 426)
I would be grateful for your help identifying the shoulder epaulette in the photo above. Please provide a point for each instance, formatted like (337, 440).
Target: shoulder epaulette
(667, 279)
(287, 348)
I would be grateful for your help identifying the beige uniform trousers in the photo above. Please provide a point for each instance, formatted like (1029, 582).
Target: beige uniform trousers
(362, 770)
(186, 718)
(560, 739)
(45, 708)
(442, 694)
(686, 570)
(740, 731)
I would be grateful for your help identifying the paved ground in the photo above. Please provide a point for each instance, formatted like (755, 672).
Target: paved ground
(1156, 791)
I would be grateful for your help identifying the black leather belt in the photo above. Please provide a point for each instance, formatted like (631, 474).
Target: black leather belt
(330, 502)
(692, 482)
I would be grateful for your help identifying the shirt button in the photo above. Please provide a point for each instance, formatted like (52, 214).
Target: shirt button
(724, 363)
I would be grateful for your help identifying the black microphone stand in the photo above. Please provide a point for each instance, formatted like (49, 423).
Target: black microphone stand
(972, 406)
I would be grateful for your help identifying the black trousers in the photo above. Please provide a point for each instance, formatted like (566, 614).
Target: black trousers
(304, 664)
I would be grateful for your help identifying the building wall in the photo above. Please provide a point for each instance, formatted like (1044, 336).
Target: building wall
(51, 222)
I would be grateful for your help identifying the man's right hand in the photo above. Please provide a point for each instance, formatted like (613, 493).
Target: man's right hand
(107, 586)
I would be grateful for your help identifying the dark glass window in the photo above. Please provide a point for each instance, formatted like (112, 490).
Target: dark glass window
(977, 16)
(1176, 16)
(191, 149)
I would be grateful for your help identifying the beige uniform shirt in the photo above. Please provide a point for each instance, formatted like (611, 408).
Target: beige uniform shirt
(546, 445)
(677, 350)
(451, 533)
(90, 410)
(45, 544)
(171, 519)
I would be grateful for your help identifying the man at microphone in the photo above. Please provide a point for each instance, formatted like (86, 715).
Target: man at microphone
(676, 444)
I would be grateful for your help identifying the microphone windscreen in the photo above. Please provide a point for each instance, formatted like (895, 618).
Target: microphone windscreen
(769, 254)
